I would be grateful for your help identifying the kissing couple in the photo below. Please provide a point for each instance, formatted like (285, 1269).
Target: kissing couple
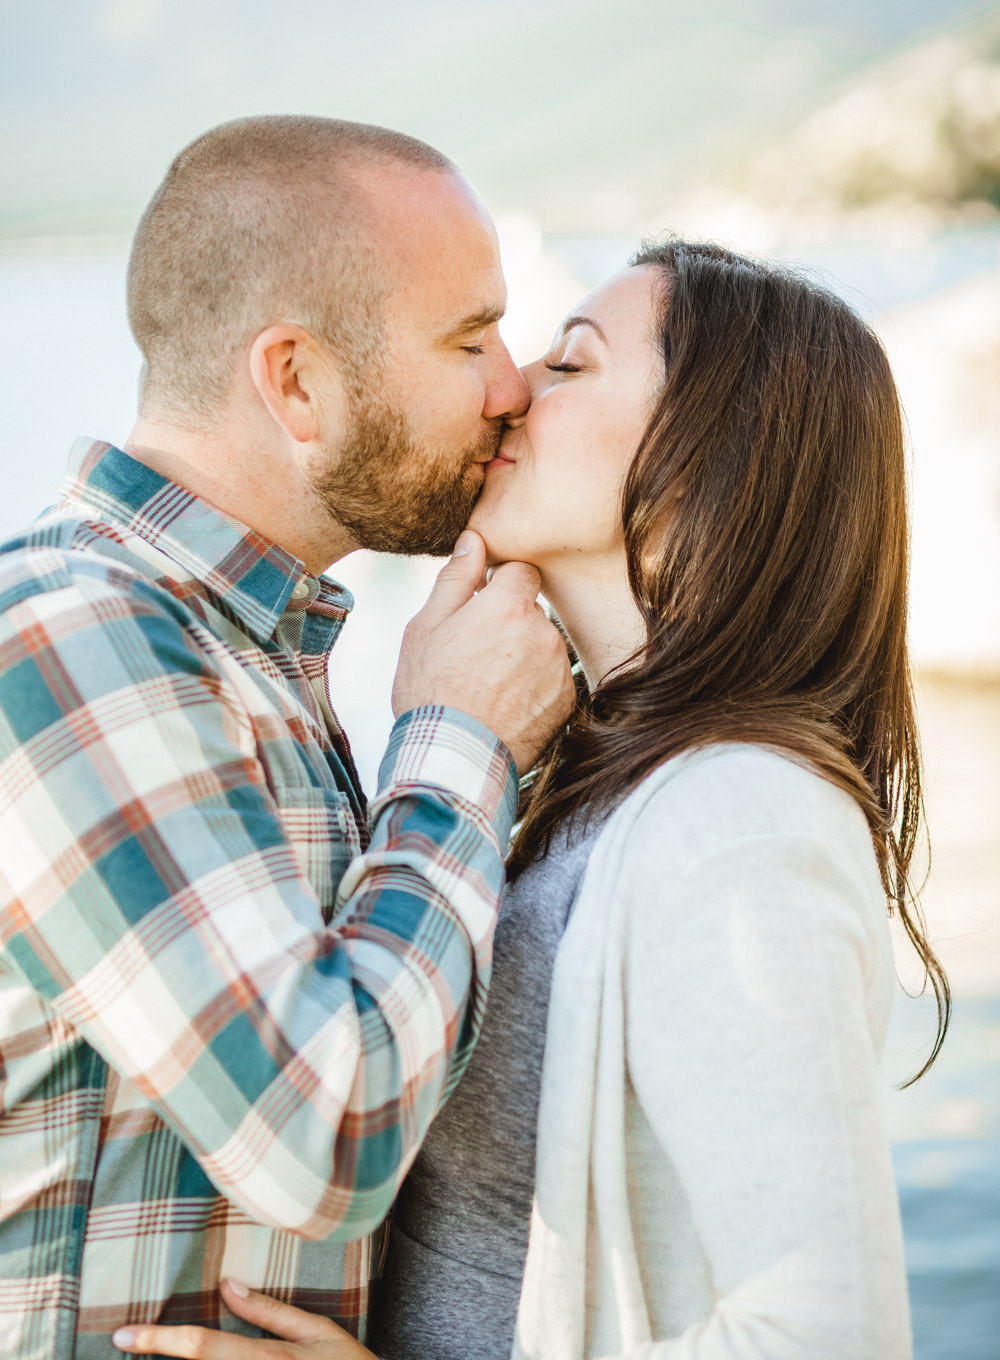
(291, 1074)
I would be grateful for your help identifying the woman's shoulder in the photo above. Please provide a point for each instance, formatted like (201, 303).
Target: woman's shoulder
(709, 802)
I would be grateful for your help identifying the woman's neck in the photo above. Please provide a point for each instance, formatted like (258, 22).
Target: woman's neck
(595, 606)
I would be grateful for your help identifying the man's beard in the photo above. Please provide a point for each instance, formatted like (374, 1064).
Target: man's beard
(393, 496)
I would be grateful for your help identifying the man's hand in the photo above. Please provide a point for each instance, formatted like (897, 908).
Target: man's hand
(302, 1336)
(493, 655)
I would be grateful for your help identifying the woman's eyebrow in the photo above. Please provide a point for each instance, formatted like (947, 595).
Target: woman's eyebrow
(572, 321)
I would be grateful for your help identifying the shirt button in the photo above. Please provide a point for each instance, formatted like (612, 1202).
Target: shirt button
(300, 590)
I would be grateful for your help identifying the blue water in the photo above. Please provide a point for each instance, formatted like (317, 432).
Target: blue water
(948, 1173)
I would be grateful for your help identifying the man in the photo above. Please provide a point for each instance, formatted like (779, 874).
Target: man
(227, 1015)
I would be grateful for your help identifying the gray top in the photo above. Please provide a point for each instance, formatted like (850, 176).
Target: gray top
(452, 1277)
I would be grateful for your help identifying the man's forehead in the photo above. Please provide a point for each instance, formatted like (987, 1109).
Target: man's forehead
(416, 204)
(438, 245)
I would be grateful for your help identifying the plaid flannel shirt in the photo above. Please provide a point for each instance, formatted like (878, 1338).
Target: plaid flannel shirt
(229, 1006)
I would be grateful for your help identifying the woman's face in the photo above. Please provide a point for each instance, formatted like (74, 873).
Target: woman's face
(551, 496)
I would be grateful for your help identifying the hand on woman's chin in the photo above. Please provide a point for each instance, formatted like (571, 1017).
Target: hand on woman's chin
(481, 523)
(501, 544)
(494, 557)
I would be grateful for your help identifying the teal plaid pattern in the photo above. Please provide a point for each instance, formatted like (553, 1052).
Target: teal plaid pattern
(231, 997)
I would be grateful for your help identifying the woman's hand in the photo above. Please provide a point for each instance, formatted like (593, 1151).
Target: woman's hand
(304, 1336)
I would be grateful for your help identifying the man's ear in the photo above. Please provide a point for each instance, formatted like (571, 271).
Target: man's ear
(296, 380)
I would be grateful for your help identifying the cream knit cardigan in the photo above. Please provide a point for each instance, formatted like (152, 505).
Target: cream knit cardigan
(713, 1178)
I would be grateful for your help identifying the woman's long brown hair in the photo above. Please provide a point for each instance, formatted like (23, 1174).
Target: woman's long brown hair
(766, 531)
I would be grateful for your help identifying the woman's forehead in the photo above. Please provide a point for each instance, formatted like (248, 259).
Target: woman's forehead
(620, 309)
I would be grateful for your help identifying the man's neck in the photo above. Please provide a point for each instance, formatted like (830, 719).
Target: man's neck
(245, 478)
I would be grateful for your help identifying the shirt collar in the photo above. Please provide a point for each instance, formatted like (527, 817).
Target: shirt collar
(254, 577)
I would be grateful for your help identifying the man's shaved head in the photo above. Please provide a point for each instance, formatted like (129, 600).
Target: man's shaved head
(259, 221)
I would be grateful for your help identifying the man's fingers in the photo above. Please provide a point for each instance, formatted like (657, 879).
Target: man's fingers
(294, 1326)
(291, 1324)
(459, 578)
(518, 577)
(190, 1343)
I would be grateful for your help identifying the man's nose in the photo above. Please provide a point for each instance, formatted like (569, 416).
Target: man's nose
(534, 375)
(508, 393)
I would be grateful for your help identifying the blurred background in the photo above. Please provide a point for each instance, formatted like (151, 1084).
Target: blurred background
(859, 139)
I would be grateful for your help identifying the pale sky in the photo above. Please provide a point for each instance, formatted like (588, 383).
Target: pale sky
(579, 114)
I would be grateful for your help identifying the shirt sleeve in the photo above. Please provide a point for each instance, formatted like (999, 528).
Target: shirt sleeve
(751, 1058)
(149, 893)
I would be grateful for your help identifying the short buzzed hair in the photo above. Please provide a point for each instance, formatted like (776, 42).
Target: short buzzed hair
(258, 221)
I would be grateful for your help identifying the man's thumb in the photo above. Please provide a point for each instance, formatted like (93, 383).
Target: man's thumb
(459, 577)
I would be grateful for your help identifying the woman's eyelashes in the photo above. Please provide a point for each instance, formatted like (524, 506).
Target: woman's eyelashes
(562, 368)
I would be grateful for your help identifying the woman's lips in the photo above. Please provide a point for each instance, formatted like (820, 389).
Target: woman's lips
(499, 461)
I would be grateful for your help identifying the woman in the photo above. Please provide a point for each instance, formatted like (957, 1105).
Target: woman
(711, 482)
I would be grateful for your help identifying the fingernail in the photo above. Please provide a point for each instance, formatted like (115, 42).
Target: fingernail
(463, 546)
(239, 1289)
(123, 1338)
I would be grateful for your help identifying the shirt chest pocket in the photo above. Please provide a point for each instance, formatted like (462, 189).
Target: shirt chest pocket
(320, 826)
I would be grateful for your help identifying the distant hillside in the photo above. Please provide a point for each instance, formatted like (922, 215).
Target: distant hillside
(918, 132)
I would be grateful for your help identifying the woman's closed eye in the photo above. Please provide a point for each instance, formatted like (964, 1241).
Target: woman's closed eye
(562, 368)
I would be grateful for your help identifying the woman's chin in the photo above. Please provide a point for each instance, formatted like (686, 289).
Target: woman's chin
(505, 538)
(494, 555)
(498, 548)
(485, 527)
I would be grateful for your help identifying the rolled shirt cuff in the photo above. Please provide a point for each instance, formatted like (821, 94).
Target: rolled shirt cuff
(438, 747)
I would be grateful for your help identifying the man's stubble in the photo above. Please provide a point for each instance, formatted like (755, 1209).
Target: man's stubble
(394, 496)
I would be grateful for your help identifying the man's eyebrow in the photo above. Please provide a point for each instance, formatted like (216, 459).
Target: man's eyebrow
(572, 321)
(477, 322)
